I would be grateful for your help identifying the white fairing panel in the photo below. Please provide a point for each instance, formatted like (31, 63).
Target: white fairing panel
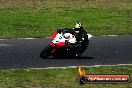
(69, 37)
(58, 38)
(73, 40)
(89, 36)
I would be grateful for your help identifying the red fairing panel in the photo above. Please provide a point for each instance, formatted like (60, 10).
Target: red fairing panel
(54, 35)
(57, 43)
(60, 43)
(52, 44)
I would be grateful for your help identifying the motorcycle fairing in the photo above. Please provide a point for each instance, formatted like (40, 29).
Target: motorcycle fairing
(60, 39)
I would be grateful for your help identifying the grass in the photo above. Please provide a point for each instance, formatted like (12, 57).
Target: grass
(58, 78)
(40, 18)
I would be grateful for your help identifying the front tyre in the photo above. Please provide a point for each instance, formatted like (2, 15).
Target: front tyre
(46, 52)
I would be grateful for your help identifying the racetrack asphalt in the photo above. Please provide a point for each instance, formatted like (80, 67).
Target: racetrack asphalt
(102, 50)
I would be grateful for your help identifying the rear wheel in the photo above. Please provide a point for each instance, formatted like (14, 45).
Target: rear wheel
(45, 52)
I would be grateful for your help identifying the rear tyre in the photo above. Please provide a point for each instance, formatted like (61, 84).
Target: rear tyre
(45, 53)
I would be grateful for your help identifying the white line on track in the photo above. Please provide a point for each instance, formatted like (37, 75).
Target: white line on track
(2, 39)
(27, 38)
(82, 66)
(109, 35)
(20, 38)
(5, 45)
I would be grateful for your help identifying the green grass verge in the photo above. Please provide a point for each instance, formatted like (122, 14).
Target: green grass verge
(58, 78)
(40, 18)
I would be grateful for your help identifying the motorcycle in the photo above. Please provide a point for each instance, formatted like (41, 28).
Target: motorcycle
(61, 45)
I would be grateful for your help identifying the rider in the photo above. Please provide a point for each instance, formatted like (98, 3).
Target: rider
(81, 37)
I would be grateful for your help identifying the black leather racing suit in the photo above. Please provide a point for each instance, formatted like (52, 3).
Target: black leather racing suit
(82, 40)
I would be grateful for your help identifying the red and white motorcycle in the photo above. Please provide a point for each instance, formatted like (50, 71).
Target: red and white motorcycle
(61, 45)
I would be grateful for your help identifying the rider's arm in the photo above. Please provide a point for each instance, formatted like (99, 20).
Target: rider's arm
(84, 36)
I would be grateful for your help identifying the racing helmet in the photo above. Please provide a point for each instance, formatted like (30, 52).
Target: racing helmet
(78, 27)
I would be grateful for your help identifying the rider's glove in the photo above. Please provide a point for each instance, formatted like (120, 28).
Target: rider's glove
(82, 38)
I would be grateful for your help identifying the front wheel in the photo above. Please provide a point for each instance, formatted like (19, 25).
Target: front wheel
(45, 52)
